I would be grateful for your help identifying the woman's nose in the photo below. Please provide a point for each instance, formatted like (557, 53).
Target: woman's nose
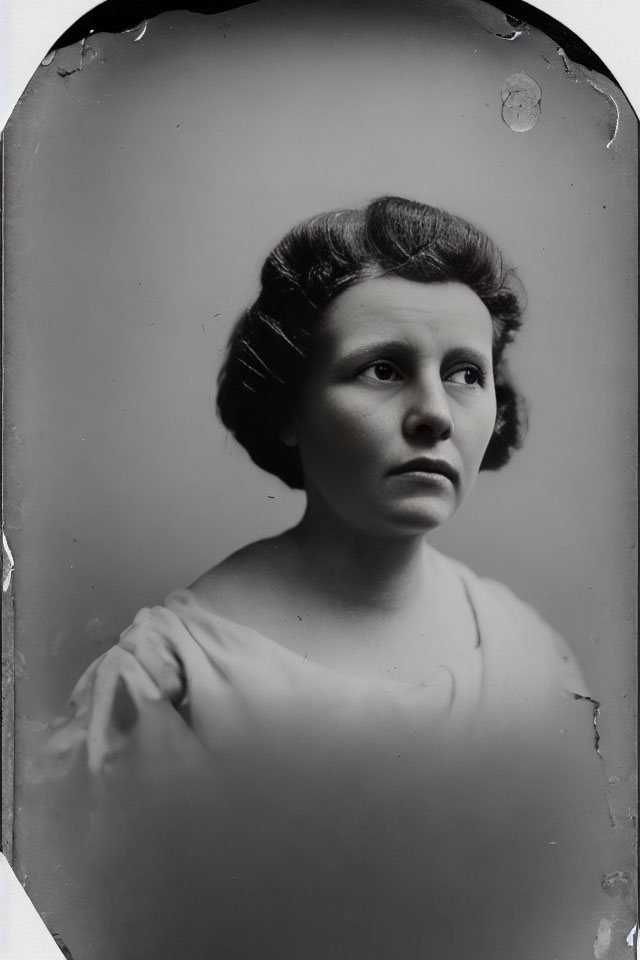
(428, 411)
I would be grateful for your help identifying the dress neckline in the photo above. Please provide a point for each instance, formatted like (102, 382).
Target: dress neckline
(185, 596)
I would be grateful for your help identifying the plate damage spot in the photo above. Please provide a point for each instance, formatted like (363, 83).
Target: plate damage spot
(521, 102)
(616, 884)
(577, 72)
(603, 940)
(8, 564)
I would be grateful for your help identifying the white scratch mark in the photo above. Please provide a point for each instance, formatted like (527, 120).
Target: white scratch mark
(615, 106)
(603, 940)
(579, 72)
(142, 32)
(48, 59)
(20, 664)
(631, 936)
(33, 156)
(8, 564)
(511, 36)
(565, 60)
(66, 875)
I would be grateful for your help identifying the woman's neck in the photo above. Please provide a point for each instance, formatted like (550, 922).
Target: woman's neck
(361, 572)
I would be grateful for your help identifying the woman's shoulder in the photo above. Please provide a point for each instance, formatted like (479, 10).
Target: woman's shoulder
(502, 613)
(491, 592)
(240, 586)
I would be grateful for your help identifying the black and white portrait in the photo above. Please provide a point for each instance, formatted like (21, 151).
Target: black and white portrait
(319, 428)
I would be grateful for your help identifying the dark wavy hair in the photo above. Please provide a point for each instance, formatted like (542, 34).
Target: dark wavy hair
(271, 342)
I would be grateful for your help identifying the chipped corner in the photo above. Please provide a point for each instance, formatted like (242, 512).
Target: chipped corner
(75, 57)
(577, 72)
(605, 943)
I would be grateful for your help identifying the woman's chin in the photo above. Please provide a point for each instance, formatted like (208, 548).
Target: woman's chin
(422, 514)
(416, 525)
(406, 516)
(410, 520)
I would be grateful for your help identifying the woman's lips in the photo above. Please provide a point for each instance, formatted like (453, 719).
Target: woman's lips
(427, 470)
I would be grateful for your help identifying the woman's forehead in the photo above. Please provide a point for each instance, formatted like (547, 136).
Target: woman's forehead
(399, 308)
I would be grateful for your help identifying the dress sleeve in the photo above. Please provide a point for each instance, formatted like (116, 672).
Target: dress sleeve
(123, 788)
(142, 668)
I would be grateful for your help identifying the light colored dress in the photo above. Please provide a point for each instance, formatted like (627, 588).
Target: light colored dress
(288, 811)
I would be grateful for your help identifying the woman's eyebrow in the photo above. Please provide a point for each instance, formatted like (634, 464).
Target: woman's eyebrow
(469, 353)
(373, 347)
(403, 349)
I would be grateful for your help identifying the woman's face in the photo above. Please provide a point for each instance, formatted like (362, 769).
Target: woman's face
(398, 406)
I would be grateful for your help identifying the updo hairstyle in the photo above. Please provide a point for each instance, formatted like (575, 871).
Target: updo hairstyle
(270, 345)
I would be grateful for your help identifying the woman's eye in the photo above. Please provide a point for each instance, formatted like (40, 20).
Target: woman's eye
(381, 372)
(469, 376)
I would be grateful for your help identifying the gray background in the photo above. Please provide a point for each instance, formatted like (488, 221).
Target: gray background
(143, 191)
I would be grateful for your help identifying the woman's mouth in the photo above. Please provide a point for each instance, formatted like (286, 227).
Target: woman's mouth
(427, 470)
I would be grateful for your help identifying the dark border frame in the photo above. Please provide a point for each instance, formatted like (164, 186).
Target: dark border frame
(113, 16)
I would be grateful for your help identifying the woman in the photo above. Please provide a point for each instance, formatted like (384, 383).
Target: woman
(339, 742)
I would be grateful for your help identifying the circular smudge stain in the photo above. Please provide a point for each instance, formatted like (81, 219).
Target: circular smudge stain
(521, 102)
(616, 884)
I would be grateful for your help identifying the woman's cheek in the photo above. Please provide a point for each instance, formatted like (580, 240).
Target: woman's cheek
(348, 425)
(479, 432)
